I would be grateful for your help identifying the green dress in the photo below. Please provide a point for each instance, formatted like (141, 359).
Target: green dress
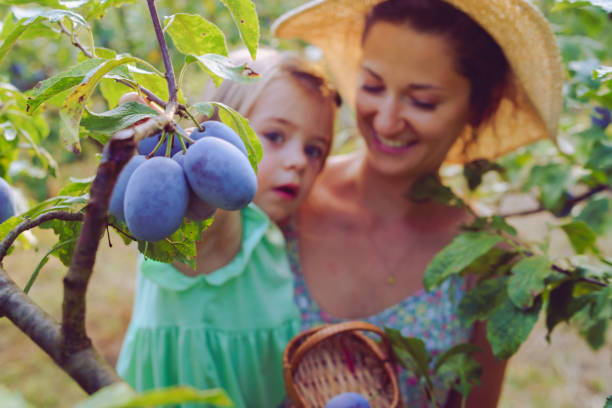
(226, 329)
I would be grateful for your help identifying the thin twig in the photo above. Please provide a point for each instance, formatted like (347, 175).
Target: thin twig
(581, 278)
(569, 204)
(74, 40)
(170, 78)
(28, 224)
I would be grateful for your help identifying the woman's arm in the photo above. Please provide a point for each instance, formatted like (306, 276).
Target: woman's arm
(487, 394)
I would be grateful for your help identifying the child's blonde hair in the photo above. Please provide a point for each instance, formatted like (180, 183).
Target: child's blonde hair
(271, 65)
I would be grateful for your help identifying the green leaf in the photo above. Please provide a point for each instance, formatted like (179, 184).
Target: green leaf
(100, 7)
(204, 108)
(193, 35)
(112, 91)
(495, 262)
(595, 333)
(571, 4)
(601, 156)
(455, 257)
(61, 82)
(597, 214)
(72, 109)
(508, 327)
(121, 117)
(429, 187)
(479, 302)
(528, 280)
(608, 402)
(221, 67)
(245, 16)
(581, 236)
(28, 18)
(68, 233)
(463, 348)
(180, 246)
(241, 126)
(499, 223)
(414, 348)
(551, 180)
(120, 395)
(461, 372)
(559, 308)
(603, 72)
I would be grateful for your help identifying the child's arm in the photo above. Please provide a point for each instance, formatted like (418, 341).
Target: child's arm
(219, 245)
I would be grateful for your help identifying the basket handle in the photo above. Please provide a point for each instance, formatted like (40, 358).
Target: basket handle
(331, 330)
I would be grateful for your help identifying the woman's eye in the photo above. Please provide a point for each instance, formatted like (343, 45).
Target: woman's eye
(314, 152)
(274, 137)
(423, 105)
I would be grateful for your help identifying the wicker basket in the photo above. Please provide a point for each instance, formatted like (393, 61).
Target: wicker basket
(325, 361)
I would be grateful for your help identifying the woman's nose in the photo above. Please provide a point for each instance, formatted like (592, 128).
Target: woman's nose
(388, 119)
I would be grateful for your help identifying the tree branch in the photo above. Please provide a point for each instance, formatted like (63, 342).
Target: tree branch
(87, 367)
(170, 78)
(28, 224)
(569, 204)
(581, 278)
(73, 332)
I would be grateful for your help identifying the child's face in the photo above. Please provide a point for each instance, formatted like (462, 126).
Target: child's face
(295, 127)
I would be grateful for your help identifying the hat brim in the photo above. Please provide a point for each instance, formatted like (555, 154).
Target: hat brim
(532, 100)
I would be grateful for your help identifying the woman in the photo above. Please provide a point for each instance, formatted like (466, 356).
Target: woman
(431, 82)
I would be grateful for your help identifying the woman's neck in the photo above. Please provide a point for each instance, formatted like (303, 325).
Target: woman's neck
(384, 195)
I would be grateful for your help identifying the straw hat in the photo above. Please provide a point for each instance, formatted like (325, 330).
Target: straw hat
(532, 100)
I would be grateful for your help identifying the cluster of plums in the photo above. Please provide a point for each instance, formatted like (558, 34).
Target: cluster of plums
(7, 201)
(153, 195)
(348, 400)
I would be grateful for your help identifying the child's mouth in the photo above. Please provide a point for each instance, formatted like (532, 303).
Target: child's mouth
(289, 191)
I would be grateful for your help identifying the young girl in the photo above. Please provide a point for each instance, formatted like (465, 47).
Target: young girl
(226, 323)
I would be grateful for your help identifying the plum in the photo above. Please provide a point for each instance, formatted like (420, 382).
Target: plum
(146, 145)
(348, 400)
(115, 206)
(220, 174)
(7, 201)
(156, 199)
(222, 131)
(197, 209)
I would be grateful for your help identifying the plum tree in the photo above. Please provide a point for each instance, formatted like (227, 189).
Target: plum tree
(146, 145)
(116, 201)
(156, 199)
(348, 400)
(222, 131)
(197, 209)
(220, 174)
(7, 201)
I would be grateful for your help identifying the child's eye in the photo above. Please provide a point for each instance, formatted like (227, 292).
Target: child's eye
(274, 137)
(373, 89)
(314, 152)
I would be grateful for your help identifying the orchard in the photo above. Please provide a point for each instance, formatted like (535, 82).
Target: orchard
(160, 172)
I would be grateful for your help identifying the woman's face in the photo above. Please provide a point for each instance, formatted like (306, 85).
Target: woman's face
(411, 102)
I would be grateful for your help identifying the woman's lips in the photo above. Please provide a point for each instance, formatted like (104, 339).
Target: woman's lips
(288, 191)
(392, 146)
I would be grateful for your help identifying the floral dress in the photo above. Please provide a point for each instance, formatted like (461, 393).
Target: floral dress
(430, 316)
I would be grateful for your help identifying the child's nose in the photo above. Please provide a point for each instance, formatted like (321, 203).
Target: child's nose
(296, 157)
